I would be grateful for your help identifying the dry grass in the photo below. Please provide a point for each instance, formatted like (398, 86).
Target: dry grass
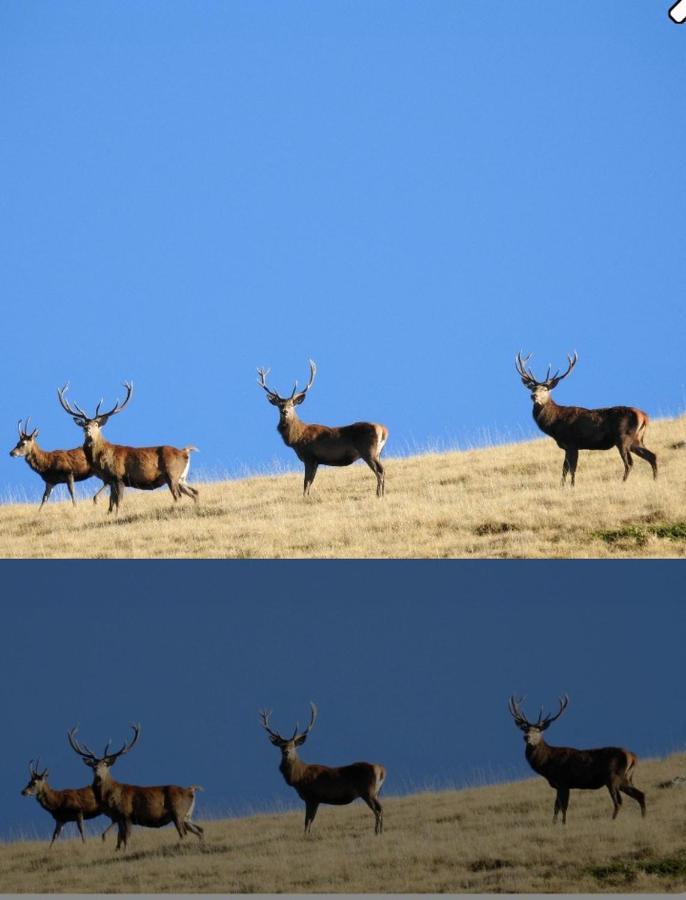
(503, 501)
(494, 839)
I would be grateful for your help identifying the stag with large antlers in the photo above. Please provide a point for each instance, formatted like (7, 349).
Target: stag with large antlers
(53, 466)
(316, 784)
(320, 445)
(68, 805)
(128, 804)
(566, 768)
(145, 468)
(575, 428)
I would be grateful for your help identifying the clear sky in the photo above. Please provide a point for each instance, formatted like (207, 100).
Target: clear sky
(410, 664)
(408, 192)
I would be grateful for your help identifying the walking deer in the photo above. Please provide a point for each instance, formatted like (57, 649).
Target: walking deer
(68, 805)
(320, 445)
(575, 428)
(316, 784)
(145, 468)
(566, 768)
(53, 466)
(128, 804)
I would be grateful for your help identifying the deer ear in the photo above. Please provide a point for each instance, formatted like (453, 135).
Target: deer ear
(301, 738)
(273, 400)
(298, 399)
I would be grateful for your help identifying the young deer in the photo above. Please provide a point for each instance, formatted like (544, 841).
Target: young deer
(53, 466)
(566, 768)
(575, 428)
(320, 445)
(145, 468)
(326, 784)
(68, 805)
(128, 804)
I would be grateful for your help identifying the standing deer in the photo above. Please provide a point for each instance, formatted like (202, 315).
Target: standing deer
(128, 804)
(53, 466)
(575, 428)
(566, 768)
(317, 445)
(145, 468)
(326, 784)
(68, 805)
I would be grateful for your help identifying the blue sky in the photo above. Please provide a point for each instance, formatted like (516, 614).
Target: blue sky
(410, 665)
(407, 192)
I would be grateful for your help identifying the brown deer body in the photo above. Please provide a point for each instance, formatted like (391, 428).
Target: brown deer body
(321, 445)
(145, 468)
(566, 768)
(68, 805)
(337, 785)
(54, 466)
(575, 428)
(128, 804)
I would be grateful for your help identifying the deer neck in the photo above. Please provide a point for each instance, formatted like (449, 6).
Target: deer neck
(538, 755)
(38, 459)
(95, 447)
(103, 787)
(292, 768)
(47, 797)
(545, 414)
(291, 428)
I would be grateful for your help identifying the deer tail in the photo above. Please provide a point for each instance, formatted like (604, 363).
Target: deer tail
(631, 763)
(196, 787)
(190, 449)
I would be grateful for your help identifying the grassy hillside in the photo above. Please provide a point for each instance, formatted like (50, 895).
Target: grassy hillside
(503, 501)
(493, 839)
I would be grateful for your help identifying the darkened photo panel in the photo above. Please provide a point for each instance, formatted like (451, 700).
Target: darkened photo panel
(326, 727)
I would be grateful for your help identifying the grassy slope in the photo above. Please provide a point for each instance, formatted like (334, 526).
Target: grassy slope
(494, 839)
(503, 501)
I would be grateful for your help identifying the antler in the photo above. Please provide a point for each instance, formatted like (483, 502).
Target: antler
(83, 751)
(126, 747)
(265, 715)
(548, 720)
(313, 372)
(530, 379)
(78, 413)
(263, 384)
(515, 711)
(33, 769)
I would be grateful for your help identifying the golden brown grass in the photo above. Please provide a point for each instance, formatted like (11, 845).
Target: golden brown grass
(503, 501)
(493, 839)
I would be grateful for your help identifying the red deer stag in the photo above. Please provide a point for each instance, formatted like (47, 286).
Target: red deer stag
(326, 784)
(319, 445)
(575, 428)
(145, 468)
(566, 768)
(128, 804)
(53, 466)
(68, 805)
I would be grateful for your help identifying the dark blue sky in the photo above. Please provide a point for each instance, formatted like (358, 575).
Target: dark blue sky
(411, 665)
(409, 192)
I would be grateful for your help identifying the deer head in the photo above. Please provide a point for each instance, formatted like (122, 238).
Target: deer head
(533, 731)
(92, 424)
(286, 405)
(37, 780)
(540, 390)
(26, 439)
(288, 745)
(101, 764)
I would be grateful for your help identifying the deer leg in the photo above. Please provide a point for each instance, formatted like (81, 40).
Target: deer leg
(377, 809)
(123, 833)
(626, 459)
(570, 464)
(377, 468)
(79, 825)
(104, 834)
(616, 799)
(180, 827)
(194, 829)
(70, 488)
(46, 494)
(310, 471)
(637, 795)
(561, 804)
(647, 455)
(116, 492)
(56, 833)
(98, 492)
(188, 491)
(310, 812)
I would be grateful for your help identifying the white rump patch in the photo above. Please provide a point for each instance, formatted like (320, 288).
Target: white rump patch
(381, 440)
(182, 478)
(192, 807)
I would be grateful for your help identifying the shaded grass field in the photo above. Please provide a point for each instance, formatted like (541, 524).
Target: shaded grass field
(495, 839)
(500, 502)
